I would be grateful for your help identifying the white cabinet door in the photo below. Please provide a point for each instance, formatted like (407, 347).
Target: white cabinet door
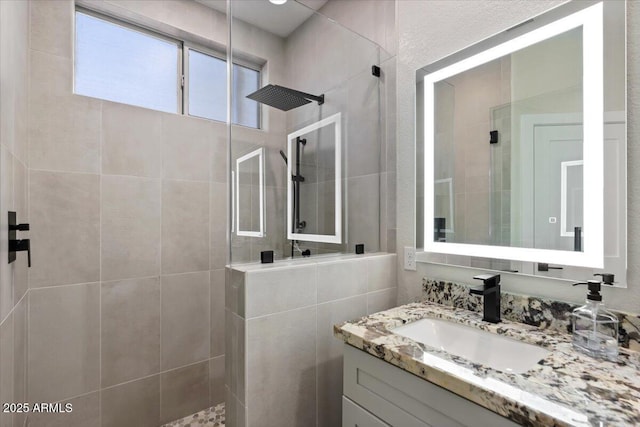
(355, 416)
(401, 399)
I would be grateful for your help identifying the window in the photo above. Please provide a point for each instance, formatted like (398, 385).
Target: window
(123, 65)
(117, 62)
(207, 93)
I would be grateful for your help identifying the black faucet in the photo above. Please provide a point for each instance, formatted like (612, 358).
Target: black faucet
(491, 296)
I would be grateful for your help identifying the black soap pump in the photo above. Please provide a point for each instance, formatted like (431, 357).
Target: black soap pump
(595, 329)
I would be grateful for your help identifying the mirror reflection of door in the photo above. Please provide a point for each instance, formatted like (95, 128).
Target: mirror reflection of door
(557, 147)
(249, 194)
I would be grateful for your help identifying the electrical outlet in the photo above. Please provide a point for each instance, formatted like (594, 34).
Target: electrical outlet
(410, 258)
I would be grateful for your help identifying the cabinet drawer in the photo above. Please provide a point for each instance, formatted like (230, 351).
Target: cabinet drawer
(403, 400)
(355, 416)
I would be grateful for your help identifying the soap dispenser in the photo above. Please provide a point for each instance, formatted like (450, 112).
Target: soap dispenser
(595, 329)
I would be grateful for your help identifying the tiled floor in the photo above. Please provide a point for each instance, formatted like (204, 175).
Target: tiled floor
(210, 417)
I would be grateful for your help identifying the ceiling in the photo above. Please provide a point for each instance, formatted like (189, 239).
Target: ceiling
(276, 19)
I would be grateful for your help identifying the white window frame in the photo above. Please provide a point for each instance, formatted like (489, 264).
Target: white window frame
(142, 30)
(182, 60)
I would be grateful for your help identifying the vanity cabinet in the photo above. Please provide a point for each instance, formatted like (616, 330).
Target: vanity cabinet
(378, 394)
(354, 415)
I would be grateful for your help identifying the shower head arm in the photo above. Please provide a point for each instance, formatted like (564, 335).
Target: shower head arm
(318, 99)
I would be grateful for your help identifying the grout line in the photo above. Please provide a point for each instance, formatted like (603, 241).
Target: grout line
(41, 288)
(14, 307)
(150, 178)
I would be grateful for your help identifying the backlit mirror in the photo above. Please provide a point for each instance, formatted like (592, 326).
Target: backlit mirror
(249, 194)
(518, 131)
(314, 197)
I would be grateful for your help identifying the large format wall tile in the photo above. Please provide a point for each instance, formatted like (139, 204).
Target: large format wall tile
(184, 391)
(65, 228)
(217, 313)
(131, 140)
(381, 300)
(6, 368)
(133, 404)
(20, 357)
(329, 356)
(382, 272)
(364, 210)
(185, 319)
(235, 351)
(219, 153)
(341, 279)
(219, 247)
(64, 342)
(363, 143)
(21, 207)
(281, 362)
(85, 413)
(130, 227)
(185, 226)
(186, 147)
(6, 204)
(130, 330)
(216, 380)
(64, 129)
(51, 27)
(279, 289)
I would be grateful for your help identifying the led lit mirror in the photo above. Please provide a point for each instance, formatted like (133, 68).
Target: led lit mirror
(249, 194)
(314, 196)
(518, 131)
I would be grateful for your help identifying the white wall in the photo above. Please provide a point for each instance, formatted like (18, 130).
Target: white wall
(429, 30)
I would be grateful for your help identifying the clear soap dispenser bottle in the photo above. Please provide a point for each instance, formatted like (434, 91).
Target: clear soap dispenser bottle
(595, 329)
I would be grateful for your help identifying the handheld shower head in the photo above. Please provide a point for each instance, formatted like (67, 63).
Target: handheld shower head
(284, 157)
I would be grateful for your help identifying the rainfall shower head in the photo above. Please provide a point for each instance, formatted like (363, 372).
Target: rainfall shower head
(283, 98)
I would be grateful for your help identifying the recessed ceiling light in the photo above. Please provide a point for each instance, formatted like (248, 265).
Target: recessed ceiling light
(278, 1)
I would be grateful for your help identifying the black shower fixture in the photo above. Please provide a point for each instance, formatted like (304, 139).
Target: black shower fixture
(283, 98)
(284, 157)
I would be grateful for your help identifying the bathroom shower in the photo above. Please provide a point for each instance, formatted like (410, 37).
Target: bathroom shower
(286, 99)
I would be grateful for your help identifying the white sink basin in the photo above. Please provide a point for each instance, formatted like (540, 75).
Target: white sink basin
(477, 346)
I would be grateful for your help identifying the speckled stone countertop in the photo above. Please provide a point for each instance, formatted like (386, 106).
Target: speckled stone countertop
(565, 388)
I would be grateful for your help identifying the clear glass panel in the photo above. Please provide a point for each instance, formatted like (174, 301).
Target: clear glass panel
(122, 65)
(207, 86)
(315, 55)
(246, 112)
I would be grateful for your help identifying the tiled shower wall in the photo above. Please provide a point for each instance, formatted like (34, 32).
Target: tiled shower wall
(14, 71)
(284, 365)
(126, 293)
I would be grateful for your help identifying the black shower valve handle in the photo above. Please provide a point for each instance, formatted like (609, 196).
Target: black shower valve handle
(21, 245)
(19, 227)
(28, 245)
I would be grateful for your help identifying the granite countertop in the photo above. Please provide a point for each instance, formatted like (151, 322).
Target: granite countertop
(566, 388)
